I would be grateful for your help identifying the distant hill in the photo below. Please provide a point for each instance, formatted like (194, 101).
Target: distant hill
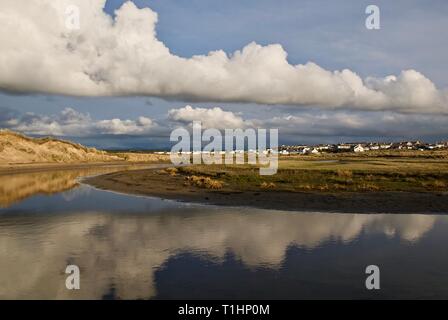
(17, 148)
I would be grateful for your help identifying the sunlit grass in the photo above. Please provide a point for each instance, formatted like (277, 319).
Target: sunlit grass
(341, 174)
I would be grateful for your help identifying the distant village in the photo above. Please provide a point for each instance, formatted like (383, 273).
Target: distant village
(361, 147)
(333, 148)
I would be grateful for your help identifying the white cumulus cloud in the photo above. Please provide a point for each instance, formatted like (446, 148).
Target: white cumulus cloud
(210, 118)
(73, 123)
(123, 56)
(302, 124)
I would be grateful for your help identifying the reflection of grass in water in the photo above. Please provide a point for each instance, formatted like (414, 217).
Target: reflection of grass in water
(356, 174)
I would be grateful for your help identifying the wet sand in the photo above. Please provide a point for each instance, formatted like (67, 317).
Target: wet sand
(153, 183)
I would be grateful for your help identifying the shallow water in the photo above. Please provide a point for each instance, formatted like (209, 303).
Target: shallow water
(139, 247)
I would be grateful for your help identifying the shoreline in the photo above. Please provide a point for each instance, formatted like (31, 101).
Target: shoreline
(149, 182)
(9, 169)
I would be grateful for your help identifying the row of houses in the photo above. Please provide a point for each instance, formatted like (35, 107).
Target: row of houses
(217, 152)
(333, 148)
(361, 147)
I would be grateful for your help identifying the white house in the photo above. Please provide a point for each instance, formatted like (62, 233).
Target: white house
(359, 148)
(344, 147)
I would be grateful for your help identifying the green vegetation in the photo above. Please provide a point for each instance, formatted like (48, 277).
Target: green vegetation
(400, 171)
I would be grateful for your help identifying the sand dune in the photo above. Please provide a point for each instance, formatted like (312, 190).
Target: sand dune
(16, 148)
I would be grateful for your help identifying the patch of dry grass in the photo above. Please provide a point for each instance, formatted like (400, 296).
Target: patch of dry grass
(347, 174)
(171, 171)
(203, 182)
(268, 185)
(434, 184)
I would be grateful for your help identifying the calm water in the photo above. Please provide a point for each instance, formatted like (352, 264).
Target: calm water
(135, 247)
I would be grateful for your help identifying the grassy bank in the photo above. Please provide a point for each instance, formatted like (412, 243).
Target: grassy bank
(401, 171)
(343, 183)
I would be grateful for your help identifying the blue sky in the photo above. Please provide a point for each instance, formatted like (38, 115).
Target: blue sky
(329, 33)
